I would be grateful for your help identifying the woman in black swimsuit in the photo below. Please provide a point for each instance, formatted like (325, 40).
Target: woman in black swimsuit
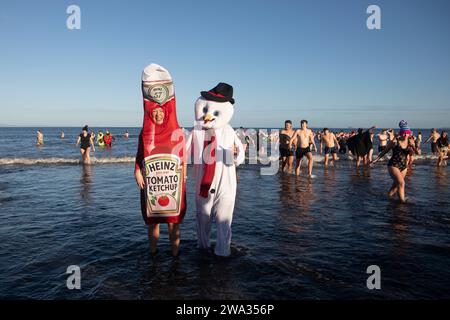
(397, 165)
(85, 140)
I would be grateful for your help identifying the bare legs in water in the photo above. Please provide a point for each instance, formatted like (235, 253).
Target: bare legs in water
(310, 164)
(398, 185)
(287, 164)
(174, 235)
(85, 155)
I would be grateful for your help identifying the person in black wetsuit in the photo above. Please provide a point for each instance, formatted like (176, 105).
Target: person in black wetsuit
(397, 165)
(360, 146)
(85, 141)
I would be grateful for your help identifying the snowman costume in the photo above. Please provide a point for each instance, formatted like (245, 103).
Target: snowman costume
(216, 151)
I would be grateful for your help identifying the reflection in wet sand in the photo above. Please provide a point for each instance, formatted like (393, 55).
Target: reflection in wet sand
(86, 183)
(296, 196)
(441, 177)
(399, 214)
(329, 182)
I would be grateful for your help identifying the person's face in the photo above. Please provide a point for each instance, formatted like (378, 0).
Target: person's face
(158, 115)
(304, 125)
(287, 126)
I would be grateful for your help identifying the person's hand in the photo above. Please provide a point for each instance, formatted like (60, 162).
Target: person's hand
(139, 179)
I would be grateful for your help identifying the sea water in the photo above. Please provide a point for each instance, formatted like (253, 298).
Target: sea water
(293, 237)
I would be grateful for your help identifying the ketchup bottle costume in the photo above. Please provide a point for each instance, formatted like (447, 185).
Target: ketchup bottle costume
(161, 154)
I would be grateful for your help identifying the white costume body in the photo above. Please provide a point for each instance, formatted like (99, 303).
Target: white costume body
(219, 205)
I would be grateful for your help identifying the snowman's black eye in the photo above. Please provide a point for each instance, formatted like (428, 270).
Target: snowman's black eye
(216, 113)
(205, 109)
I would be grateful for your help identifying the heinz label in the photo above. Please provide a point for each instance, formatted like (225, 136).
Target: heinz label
(164, 183)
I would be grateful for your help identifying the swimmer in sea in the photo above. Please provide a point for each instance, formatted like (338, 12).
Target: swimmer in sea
(39, 138)
(108, 138)
(434, 136)
(419, 143)
(383, 138)
(369, 157)
(61, 136)
(263, 140)
(100, 141)
(443, 146)
(412, 152)
(342, 142)
(286, 151)
(319, 139)
(397, 165)
(360, 145)
(303, 139)
(331, 145)
(86, 141)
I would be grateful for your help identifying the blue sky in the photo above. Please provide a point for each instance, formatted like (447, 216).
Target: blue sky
(286, 60)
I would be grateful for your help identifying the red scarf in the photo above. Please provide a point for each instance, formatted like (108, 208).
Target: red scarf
(209, 164)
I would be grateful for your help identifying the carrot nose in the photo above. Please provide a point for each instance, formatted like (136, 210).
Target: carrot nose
(207, 117)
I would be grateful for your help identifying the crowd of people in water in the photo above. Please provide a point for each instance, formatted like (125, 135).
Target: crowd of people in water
(296, 144)
(87, 141)
(399, 148)
(402, 145)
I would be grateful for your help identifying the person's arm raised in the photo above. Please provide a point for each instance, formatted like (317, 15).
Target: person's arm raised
(429, 138)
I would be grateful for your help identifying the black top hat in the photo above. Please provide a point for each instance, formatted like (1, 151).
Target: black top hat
(223, 92)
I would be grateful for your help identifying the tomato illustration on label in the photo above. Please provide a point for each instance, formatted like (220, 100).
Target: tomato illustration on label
(163, 201)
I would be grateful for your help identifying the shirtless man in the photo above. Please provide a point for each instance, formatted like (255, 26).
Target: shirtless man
(434, 136)
(319, 138)
(331, 145)
(419, 143)
(383, 138)
(303, 139)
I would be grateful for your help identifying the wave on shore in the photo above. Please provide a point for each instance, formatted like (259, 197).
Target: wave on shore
(62, 161)
(114, 160)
